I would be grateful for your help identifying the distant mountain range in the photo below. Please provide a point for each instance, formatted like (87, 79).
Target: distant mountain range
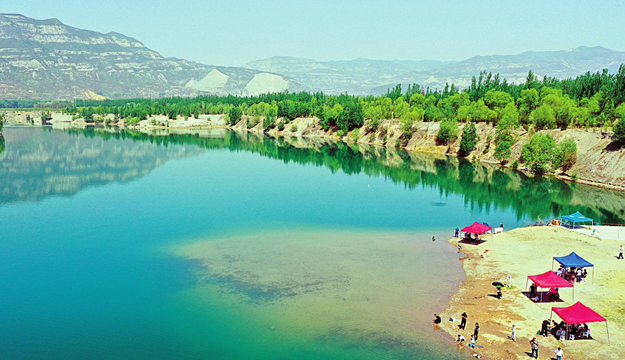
(45, 59)
(363, 76)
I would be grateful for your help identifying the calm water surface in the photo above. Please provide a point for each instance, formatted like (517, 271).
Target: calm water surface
(233, 247)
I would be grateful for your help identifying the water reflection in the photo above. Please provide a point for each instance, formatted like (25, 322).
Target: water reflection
(40, 163)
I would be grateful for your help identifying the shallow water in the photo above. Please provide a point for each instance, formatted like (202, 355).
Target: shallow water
(110, 245)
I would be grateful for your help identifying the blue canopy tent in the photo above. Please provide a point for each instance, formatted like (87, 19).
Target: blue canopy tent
(573, 260)
(576, 218)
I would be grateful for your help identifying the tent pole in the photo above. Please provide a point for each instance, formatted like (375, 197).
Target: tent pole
(526, 281)
(607, 331)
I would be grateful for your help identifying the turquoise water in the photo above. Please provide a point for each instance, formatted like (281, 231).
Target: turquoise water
(85, 217)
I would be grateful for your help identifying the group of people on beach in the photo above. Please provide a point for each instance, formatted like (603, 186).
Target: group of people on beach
(554, 294)
(572, 274)
(463, 324)
(562, 329)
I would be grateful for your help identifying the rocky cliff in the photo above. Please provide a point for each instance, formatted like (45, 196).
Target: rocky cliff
(46, 59)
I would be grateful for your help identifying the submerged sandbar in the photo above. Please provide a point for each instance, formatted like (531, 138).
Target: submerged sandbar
(360, 288)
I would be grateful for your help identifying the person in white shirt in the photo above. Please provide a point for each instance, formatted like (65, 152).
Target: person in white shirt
(513, 335)
(559, 354)
(461, 339)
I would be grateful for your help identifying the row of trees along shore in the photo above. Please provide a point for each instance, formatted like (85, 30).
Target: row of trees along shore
(588, 101)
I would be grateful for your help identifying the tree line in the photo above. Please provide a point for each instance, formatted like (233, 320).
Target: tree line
(589, 100)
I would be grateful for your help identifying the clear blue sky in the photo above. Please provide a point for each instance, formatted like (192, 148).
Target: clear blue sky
(235, 32)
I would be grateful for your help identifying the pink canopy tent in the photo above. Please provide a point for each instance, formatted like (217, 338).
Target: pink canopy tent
(579, 313)
(549, 280)
(476, 228)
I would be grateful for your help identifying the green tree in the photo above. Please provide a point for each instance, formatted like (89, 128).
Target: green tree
(468, 140)
(509, 117)
(351, 117)
(495, 99)
(234, 115)
(544, 118)
(539, 152)
(527, 102)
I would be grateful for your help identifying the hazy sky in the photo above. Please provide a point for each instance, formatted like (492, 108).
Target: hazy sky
(234, 32)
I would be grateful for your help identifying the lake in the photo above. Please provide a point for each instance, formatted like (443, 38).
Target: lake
(213, 244)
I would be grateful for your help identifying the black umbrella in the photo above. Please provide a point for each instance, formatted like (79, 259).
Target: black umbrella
(497, 283)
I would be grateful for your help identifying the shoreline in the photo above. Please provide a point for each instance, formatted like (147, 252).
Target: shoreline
(519, 253)
(594, 167)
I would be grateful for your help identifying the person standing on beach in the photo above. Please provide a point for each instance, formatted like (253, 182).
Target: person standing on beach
(437, 319)
(559, 354)
(501, 226)
(534, 344)
(476, 331)
(513, 335)
(433, 239)
(463, 322)
(620, 253)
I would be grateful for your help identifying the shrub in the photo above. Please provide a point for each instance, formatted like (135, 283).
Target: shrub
(251, 122)
(374, 124)
(355, 134)
(340, 133)
(468, 140)
(281, 125)
(504, 143)
(132, 121)
(565, 155)
(502, 151)
(619, 132)
(406, 128)
(515, 164)
(293, 128)
(269, 122)
(448, 131)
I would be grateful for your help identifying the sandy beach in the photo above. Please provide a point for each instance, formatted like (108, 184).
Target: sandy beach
(529, 251)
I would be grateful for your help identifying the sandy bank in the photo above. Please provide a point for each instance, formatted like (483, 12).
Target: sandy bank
(529, 251)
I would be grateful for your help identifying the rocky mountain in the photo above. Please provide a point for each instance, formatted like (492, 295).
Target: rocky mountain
(362, 76)
(45, 59)
(357, 76)
(559, 64)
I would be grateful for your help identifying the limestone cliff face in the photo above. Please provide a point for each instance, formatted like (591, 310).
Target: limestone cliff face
(45, 59)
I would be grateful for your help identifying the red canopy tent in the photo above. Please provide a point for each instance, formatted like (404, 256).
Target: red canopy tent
(579, 313)
(476, 228)
(549, 280)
